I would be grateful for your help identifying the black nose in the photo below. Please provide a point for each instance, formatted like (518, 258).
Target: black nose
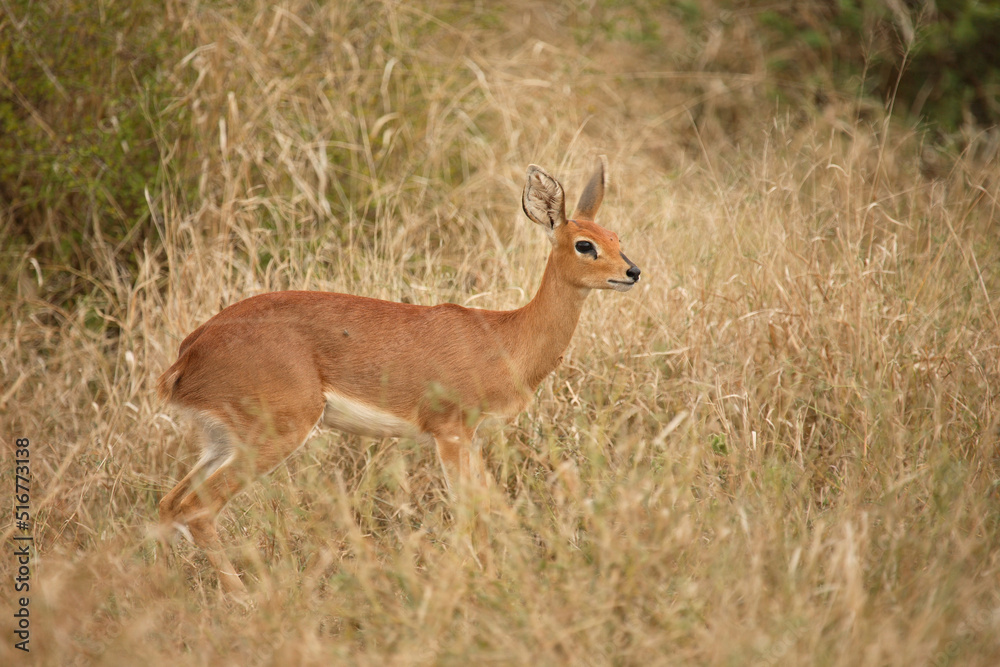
(633, 272)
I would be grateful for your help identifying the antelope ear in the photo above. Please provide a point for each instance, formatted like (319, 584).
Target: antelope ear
(543, 200)
(593, 193)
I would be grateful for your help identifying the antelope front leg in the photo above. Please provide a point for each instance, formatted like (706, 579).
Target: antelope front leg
(468, 485)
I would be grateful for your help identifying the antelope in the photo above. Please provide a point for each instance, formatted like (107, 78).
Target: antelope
(260, 375)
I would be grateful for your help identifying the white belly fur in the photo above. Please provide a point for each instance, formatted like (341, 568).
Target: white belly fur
(348, 414)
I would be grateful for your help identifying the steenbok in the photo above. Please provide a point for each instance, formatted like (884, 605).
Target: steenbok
(261, 374)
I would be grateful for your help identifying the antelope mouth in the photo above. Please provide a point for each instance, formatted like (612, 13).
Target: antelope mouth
(622, 285)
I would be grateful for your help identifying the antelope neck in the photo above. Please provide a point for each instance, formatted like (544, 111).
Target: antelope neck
(544, 326)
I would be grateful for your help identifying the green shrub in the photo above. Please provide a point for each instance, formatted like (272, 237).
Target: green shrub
(936, 61)
(77, 144)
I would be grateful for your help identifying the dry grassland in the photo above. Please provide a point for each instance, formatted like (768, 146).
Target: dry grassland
(779, 449)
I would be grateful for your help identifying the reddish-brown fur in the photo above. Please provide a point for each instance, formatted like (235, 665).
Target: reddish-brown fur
(264, 371)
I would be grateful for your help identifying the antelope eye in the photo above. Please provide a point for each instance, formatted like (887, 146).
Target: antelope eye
(585, 247)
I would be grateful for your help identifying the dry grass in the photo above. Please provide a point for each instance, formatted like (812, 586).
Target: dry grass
(780, 449)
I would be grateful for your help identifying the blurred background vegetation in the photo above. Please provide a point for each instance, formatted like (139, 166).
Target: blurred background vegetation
(93, 112)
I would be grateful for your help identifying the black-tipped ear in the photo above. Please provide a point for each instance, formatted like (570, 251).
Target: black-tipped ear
(543, 199)
(593, 193)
